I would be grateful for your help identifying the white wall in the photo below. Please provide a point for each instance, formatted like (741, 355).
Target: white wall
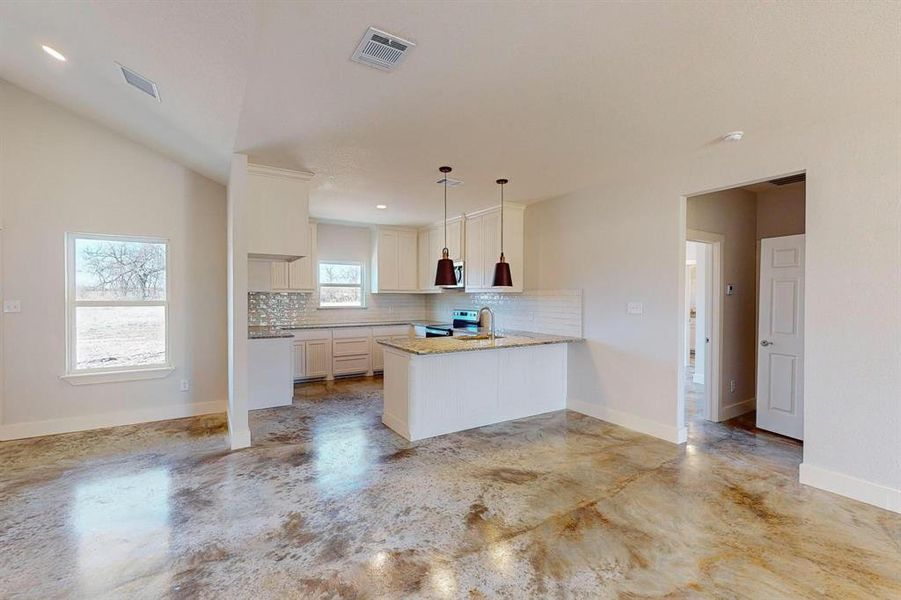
(61, 173)
(622, 240)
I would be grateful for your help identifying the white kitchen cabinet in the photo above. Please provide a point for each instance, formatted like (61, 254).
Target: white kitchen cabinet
(318, 358)
(394, 260)
(387, 332)
(277, 213)
(351, 350)
(426, 264)
(483, 247)
(299, 275)
(300, 360)
(312, 353)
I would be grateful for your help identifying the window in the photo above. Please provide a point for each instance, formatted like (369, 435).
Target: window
(340, 284)
(117, 296)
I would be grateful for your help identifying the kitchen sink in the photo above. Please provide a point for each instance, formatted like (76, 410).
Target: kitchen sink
(481, 336)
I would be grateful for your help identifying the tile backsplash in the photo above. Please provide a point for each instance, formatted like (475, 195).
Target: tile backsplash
(295, 308)
(542, 311)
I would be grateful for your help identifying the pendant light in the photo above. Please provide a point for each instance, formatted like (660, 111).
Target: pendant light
(445, 276)
(502, 277)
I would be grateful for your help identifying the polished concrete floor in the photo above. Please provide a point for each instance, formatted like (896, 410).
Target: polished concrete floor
(331, 504)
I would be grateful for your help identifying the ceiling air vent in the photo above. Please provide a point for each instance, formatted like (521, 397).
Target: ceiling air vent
(381, 50)
(451, 182)
(789, 179)
(140, 82)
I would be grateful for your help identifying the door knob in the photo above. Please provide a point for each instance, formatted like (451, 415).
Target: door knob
(765, 343)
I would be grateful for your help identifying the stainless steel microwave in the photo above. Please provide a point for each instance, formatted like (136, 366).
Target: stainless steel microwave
(458, 275)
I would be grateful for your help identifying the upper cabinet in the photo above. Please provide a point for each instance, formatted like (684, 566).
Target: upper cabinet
(394, 260)
(483, 247)
(431, 243)
(299, 275)
(277, 213)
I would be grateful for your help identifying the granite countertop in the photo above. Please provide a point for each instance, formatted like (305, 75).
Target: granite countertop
(445, 345)
(263, 332)
(336, 325)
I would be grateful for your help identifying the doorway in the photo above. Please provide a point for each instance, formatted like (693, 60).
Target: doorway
(743, 274)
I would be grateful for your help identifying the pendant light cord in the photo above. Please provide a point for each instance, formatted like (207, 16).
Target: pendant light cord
(502, 219)
(445, 212)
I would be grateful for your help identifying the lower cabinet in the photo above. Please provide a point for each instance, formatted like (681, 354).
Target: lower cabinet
(342, 351)
(318, 353)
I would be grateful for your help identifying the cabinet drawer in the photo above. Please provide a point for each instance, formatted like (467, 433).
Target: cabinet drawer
(349, 347)
(390, 330)
(345, 365)
(312, 334)
(351, 332)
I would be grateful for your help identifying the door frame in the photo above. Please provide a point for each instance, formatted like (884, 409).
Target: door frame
(713, 320)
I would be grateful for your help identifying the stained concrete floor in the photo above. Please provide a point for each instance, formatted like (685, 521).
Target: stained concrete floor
(328, 503)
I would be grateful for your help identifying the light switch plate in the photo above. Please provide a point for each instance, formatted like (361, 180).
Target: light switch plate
(730, 289)
(12, 306)
(635, 308)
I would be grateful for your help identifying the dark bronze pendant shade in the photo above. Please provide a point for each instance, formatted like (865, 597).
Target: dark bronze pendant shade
(502, 276)
(445, 275)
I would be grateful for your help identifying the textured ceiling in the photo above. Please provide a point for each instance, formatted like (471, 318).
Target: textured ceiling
(552, 95)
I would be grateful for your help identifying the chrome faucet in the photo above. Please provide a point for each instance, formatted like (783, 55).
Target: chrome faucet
(490, 312)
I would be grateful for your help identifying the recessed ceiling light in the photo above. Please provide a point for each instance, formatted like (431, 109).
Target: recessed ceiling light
(54, 53)
(381, 206)
(733, 136)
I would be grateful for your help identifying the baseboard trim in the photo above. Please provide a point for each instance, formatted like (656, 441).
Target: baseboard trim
(739, 408)
(17, 431)
(676, 435)
(861, 490)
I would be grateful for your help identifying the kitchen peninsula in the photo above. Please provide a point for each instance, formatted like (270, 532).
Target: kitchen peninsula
(441, 385)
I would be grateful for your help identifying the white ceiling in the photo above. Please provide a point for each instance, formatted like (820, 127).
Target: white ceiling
(552, 95)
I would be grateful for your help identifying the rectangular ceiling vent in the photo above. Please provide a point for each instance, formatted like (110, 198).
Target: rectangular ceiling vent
(140, 82)
(451, 182)
(789, 180)
(381, 50)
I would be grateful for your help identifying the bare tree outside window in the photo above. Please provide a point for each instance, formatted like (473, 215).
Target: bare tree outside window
(340, 285)
(118, 303)
(130, 270)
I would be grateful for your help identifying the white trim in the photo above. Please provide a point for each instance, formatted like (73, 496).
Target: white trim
(714, 308)
(72, 303)
(238, 438)
(117, 376)
(278, 173)
(15, 431)
(676, 435)
(861, 490)
(739, 408)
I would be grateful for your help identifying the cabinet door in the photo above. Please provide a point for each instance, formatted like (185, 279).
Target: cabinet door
(300, 360)
(302, 272)
(278, 272)
(387, 250)
(474, 271)
(455, 239)
(426, 274)
(491, 245)
(407, 265)
(318, 358)
(378, 353)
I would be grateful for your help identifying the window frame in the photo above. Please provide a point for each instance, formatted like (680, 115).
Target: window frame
(362, 284)
(78, 376)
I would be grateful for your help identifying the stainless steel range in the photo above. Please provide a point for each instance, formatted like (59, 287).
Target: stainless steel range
(465, 321)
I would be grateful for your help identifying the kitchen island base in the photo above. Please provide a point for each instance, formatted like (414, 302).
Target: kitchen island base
(432, 394)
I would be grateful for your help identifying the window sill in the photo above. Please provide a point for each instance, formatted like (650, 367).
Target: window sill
(117, 376)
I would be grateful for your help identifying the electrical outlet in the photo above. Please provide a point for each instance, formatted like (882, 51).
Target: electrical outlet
(185, 385)
(12, 306)
(635, 308)
(732, 385)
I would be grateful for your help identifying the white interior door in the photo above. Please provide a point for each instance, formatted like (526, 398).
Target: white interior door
(780, 350)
